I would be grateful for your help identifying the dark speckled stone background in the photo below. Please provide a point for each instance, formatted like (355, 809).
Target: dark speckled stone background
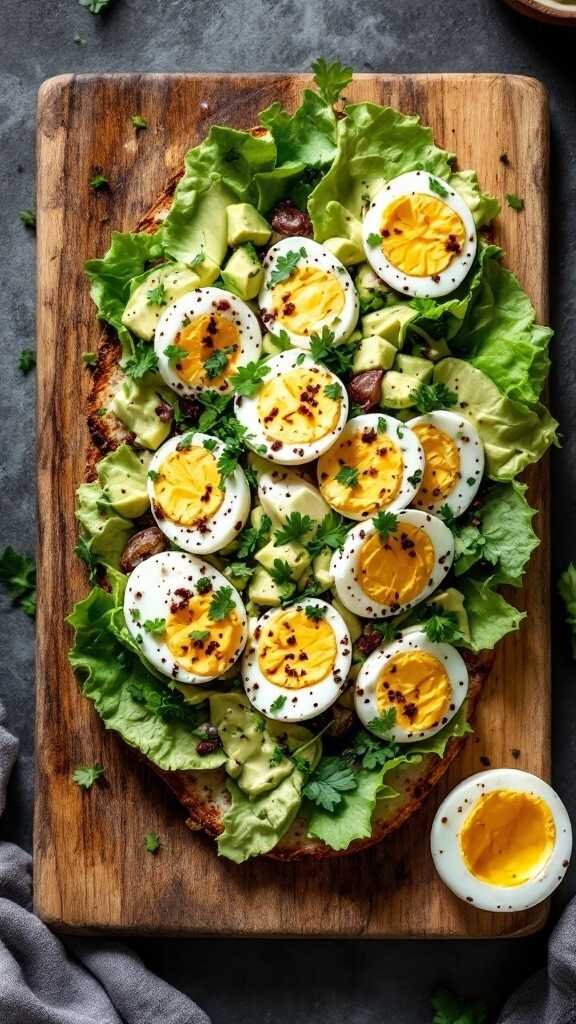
(312, 982)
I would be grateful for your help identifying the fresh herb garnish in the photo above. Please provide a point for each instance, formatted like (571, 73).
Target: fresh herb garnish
(84, 552)
(95, 6)
(209, 444)
(138, 121)
(153, 474)
(203, 585)
(416, 478)
(87, 774)
(333, 391)
(27, 360)
(28, 218)
(99, 182)
(154, 625)
(294, 529)
(222, 604)
(199, 634)
(174, 352)
(239, 570)
(374, 239)
(89, 358)
(428, 397)
(338, 358)
(331, 79)
(316, 612)
(253, 538)
(567, 591)
(382, 425)
(281, 341)
(218, 361)
(331, 533)
(196, 260)
(438, 188)
(385, 523)
(152, 842)
(144, 360)
(447, 516)
(18, 575)
(157, 296)
(347, 476)
(227, 463)
(285, 265)
(281, 573)
(449, 1009)
(277, 704)
(514, 202)
(248, 379)
(328, 782)
(277, 757)
(443, 628)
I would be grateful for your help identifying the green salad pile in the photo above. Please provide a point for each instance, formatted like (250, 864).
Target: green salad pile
(476, 350)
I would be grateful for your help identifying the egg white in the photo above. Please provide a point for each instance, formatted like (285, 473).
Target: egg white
(366, 684)
(314, 255)
(412, 457)
(151, 590)
(448, 859)
(226, 523)
(415, 183)
(344, 566)
(307, 702)
(288, 454)
(471, 453)
(196, 303)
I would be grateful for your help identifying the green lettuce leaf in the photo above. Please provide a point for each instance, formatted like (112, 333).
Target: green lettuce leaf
(128, 698)
(500, 336)
(567, 591)
(444, 318)
(490, 617)
(483, 206)
(253, 827)
(513, 435)
(111, 276)
(307, 137)
(501, 534)
(374, 144)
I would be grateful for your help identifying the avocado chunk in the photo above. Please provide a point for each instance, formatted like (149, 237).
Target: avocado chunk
(372, 292)
(263, 590)
(245, 224)
(389, 323)
(398, 390)
(107, 532)
(170, 282)
(437, 349)
(135, 405)
(243, 273)
(347, 250)
(321, 569)
(451, 600)
(294, 554)
(271, 344)
(415, 366)
(374, 353)
(351, 620)
(290, 493)
(239, 580)
(123, 478)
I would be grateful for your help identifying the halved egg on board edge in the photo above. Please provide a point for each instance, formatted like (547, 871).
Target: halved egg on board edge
(501, 840)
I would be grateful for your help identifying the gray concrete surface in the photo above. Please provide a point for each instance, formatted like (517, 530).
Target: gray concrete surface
(314, 982)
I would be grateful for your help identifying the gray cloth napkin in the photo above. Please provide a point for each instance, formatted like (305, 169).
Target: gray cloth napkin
(84, 981)
(549, 997)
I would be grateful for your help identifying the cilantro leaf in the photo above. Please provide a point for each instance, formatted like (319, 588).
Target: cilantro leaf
(281, 573)
(416, 478)
(567, 591)
(199, 634)
(428, 397)
(514, 202)
(239, 570)
(437, 187)
(95, 6)
(27, 360)
(222, 604)
(28, 218)
(203, 585)
(443, 628)
(449, 1009)
(18, 574)
(157, 296)
(152, 842)
(252, 538)
(277, 757)
(143, 361)
(249, 377)
(277, 704)
(338, 358)
(331, 79)
(154, 625)
(196, 260)
(447, 516)
(174, 352)
(285, 265)
(227, 464)
(138, 121)
(281, 341)
(218, 361)
(84, 552)
(386, 523)
(294, 529)
(331, 533)
(333, 391)
(347, 476)
(87, 774)
(315, 612)
(374, 239)
(89, 358)
(98, 182)
(327, 783)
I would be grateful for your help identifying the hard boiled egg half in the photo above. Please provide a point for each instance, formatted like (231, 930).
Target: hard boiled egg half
(502, 840)
(419, 235)
(297, 661)
(298, 411)
(195, 504)
(377, 462)
(454, 461)
(424, 682)
(190, 623)
(378, 573)
(202, 339)
(306, 289)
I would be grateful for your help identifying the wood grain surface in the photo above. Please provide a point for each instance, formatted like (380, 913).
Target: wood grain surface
(91, 870)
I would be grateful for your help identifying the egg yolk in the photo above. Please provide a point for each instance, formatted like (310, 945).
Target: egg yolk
(421, 235)
(296, 651)
(507, 837)
(442, 468)
(417, 685)
(197, 643)
(210, 339)
(309, 297)
(294, 409)
(396, 570)
(379, 466)
(187, 488)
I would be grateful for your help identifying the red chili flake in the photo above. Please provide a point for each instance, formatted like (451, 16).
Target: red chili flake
(289, 309)
(453, 245)
(184, 595)
(206, 496)
(222, 305)
(436, 278)
(212, 327)
(276, 446)
(272, 414)
(368, 436)
(410, 712)
(385, 233)
(211, 647)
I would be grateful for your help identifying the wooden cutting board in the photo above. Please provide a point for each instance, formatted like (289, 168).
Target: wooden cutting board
(91, 870)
